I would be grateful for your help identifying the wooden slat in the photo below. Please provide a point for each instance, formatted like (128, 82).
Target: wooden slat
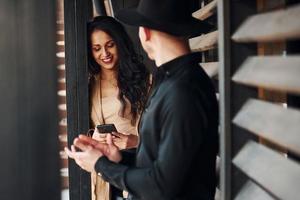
(277, 25)
(271, 72)
(273, 122)
(206, 11)
(211, 68)
(108, 8)
(251, 191)
(204, 42)
(273, 172)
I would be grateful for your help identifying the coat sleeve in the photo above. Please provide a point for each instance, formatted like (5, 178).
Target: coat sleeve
(181, 136)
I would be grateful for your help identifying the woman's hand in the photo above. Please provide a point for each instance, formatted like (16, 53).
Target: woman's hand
(125, 141)
(122, 141)
(101, 137)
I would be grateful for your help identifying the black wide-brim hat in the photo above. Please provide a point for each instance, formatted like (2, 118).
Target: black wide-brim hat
(170, 16)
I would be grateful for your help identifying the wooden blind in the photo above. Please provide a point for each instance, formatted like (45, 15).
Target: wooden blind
(260, 171)
(206, 43)
(206, 11)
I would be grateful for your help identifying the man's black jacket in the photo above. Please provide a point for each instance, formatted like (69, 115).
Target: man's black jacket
(178, 138)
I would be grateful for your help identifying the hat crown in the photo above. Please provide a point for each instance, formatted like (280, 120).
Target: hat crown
(170, 16)
(165, 10)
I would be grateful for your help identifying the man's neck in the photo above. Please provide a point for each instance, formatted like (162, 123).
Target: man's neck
(168, 56)
(169, 51)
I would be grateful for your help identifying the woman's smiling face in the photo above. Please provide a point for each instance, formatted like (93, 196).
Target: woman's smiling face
(104, 50)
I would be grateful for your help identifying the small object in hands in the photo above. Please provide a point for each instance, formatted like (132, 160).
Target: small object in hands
(106, 128)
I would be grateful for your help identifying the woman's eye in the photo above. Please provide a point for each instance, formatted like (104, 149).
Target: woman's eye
(96, 49)
(110, 44)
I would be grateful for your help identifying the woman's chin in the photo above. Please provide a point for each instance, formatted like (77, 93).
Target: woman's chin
(110, 66)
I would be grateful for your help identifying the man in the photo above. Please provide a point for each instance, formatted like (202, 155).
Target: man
(176, 155)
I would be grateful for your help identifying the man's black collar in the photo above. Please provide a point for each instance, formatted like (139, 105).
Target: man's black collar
(168, 68)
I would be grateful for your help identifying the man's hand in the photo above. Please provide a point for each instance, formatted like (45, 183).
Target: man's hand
(92, 150)
(110, 150)
(88, 156)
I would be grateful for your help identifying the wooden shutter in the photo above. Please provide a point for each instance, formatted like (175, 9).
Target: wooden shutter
(259, 135)
(207, 43)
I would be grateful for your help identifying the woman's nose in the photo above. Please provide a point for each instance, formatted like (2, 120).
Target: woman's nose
(105, 52)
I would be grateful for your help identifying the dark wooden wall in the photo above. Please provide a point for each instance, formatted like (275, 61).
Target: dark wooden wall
(29, 167)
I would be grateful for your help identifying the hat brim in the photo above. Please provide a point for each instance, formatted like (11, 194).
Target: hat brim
(192, 27)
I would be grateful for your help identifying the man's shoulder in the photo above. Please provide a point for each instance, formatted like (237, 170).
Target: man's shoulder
(187, 82)
(180, 92)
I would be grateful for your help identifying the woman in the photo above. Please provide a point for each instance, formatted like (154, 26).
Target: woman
(118, 89)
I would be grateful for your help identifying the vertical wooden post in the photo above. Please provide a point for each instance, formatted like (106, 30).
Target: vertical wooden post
(77, 13)
(224, 98)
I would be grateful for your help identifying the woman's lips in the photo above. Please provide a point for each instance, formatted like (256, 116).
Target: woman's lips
(107, 60)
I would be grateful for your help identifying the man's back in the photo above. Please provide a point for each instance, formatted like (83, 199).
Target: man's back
(179, 138)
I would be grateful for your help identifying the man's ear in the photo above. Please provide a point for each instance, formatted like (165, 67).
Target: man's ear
(146, 32)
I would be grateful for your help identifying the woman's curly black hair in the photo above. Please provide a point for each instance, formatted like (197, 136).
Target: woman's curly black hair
(132, 75)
